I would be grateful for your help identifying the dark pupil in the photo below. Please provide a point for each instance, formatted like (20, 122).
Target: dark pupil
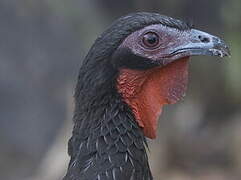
(150, 39)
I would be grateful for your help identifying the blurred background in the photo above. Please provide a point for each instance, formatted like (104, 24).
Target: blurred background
(42, 44)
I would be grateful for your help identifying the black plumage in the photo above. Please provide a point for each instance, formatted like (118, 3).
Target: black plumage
(107, 142)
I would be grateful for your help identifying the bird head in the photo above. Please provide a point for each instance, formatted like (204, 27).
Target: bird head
(151, 53)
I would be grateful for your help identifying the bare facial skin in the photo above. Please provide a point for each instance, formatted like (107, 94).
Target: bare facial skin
(146, 91)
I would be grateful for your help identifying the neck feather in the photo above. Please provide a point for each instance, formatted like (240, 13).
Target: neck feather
(106, 140)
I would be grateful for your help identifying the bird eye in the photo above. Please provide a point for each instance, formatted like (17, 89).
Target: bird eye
(150, 39)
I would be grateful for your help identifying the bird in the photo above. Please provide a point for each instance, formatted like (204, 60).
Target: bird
(134, 68)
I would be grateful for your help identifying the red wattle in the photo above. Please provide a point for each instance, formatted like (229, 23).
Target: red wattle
(147, 91)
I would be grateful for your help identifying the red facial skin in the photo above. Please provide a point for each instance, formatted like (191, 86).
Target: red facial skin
(147, 91)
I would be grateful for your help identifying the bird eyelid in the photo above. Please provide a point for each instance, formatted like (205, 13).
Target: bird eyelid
(150, 32)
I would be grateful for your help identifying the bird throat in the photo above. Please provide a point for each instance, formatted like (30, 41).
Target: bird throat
(146, 91)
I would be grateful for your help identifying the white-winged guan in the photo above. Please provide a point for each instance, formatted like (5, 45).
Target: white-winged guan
(139, 64)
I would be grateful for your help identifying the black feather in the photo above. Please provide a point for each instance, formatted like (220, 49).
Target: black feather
(107, 143)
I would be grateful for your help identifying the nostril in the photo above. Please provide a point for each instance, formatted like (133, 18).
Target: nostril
(204, 39)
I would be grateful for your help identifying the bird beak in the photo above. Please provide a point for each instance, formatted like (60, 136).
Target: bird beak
(196, 43)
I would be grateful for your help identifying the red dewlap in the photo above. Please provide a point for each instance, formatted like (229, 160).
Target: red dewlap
(147, 91)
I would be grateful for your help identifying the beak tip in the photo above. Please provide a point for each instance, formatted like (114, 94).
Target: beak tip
(221, 50)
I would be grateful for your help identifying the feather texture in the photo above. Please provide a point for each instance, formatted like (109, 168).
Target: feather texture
(107, 143)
